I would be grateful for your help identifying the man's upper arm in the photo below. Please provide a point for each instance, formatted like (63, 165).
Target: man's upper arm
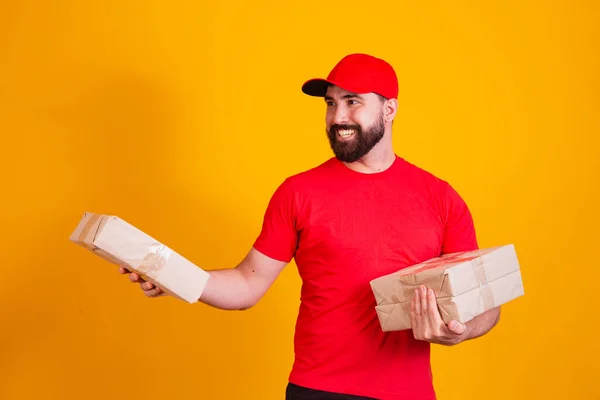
(278, 237)
(459, 229)
(260, 272)
(276, 244)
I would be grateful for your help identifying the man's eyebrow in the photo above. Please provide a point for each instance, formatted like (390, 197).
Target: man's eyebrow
(346, 96)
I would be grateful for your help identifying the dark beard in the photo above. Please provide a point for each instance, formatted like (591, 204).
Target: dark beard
(360, 145)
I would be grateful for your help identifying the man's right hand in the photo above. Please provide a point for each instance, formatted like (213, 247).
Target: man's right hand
(149, 289)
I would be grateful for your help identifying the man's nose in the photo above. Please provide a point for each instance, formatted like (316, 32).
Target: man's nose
(341, 115)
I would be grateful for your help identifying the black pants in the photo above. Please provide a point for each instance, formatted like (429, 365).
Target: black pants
(295, 392)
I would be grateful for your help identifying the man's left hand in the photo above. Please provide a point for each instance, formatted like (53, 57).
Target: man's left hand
(427, 323)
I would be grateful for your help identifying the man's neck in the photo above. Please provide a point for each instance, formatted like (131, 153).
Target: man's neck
(377, 160)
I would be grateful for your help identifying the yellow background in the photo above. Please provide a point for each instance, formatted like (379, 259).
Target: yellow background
(182, 117)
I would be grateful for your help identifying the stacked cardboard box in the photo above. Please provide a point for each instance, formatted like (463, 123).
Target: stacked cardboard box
(465, 284)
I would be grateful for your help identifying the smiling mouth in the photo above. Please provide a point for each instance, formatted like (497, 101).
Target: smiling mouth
(345, 133)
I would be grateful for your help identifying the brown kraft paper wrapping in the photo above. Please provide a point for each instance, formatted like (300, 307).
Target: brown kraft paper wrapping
(120, 243)
(466, 284)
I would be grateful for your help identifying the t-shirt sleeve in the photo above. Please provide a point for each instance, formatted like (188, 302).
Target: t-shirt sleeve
(459, 229)
(278, 238)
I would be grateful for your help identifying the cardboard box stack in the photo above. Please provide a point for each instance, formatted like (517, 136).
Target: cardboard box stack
(465, 284)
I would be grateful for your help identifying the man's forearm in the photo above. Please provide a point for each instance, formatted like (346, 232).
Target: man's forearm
(482, 324)
(227, 289)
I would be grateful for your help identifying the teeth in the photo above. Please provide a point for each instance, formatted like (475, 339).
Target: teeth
(345, 133)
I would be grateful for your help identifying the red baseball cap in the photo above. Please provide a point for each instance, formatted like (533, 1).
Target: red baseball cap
(357, 73)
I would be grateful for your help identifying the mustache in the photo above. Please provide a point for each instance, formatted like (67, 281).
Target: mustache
(333, 129)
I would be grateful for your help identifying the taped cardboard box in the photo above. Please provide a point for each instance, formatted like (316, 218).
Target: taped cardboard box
(120, 243)
(466, 284)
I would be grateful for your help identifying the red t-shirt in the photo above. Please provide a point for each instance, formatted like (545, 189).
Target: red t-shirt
(345, 228)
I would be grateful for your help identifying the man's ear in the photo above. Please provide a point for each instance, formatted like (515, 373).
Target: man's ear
(390, 109)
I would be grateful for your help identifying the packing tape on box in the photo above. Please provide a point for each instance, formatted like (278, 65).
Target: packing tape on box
(88, 234)
(487, 300)
(153, 262)
(479, 270)
(87, 228)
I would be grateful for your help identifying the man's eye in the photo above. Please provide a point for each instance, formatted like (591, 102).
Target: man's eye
(330, 103)
(352, 102)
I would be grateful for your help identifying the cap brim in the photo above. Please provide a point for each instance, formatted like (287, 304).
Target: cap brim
(316, 87)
